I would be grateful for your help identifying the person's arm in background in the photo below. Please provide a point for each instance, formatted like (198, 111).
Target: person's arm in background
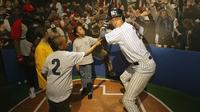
(60, 31)
(176, 24)
(7, 25)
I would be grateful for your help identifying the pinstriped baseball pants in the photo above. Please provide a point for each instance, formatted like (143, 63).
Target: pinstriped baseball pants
(135, 79)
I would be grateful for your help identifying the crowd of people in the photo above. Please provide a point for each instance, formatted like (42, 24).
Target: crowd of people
(30, 25)
(165, 23)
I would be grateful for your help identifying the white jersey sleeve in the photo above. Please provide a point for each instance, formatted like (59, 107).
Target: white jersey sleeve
(77, 56)
(74, 46)
(113, 37)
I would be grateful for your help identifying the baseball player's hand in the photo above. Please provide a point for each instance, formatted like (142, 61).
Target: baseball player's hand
(102, 33)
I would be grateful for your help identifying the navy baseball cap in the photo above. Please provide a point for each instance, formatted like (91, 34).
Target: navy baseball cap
(115, 12)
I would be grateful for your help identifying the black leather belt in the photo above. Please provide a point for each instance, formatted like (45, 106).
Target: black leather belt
(150, 57)
(137, 63)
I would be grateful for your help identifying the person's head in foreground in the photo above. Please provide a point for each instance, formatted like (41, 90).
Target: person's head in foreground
(58, 43)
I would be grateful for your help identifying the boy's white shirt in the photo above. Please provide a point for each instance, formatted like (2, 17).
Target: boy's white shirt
(59, 87)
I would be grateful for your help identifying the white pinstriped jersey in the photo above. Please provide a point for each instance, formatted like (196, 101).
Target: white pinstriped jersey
(131, 46)
(58, 67)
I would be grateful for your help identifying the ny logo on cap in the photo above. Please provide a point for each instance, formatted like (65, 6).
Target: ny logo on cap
(113, 13)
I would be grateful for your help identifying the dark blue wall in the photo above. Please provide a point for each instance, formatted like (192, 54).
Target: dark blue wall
(176, 69)
(14, 73)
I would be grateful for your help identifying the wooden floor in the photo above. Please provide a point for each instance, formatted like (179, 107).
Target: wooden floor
(106, 98)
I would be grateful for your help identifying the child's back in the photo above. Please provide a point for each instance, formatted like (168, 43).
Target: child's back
(59, 66)
(58, 72)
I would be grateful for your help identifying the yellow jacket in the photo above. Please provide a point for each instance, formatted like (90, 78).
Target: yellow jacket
(42, 50)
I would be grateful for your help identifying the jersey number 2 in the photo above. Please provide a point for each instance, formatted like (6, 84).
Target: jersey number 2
(57, 65)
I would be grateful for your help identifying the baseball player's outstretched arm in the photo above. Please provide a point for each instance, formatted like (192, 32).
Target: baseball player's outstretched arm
(97, 43)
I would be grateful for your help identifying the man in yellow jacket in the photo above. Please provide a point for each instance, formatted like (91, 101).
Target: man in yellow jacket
(42, 50)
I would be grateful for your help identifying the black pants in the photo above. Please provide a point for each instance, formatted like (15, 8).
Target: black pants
(30, 72)
(59, 107)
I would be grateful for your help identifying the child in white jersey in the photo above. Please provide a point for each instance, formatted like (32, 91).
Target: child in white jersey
(58, 72)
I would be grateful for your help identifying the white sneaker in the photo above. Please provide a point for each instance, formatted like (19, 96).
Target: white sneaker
(70, 105)
(80, 90)
(32, 95)
(32, 92)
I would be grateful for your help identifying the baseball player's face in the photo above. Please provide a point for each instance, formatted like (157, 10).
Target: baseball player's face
(80, 31)
(113, 21)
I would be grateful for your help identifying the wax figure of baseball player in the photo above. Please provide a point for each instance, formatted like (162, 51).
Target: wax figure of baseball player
(142, 66)
(57, 71)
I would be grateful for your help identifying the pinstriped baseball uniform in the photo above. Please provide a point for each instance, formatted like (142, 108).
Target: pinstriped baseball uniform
(136, 76)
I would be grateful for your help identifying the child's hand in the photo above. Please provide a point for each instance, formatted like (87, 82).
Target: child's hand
(77, 67)
(98, 42)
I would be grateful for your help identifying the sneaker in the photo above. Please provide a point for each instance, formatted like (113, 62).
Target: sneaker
(70, 105)
(32, 95)
(32, 92)
(110, 75)
(80, 90)
(90, 95)
(84, 92)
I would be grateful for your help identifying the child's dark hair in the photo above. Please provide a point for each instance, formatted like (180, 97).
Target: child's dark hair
(75, 28)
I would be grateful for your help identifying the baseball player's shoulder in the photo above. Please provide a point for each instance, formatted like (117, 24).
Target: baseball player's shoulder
(125, 24)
